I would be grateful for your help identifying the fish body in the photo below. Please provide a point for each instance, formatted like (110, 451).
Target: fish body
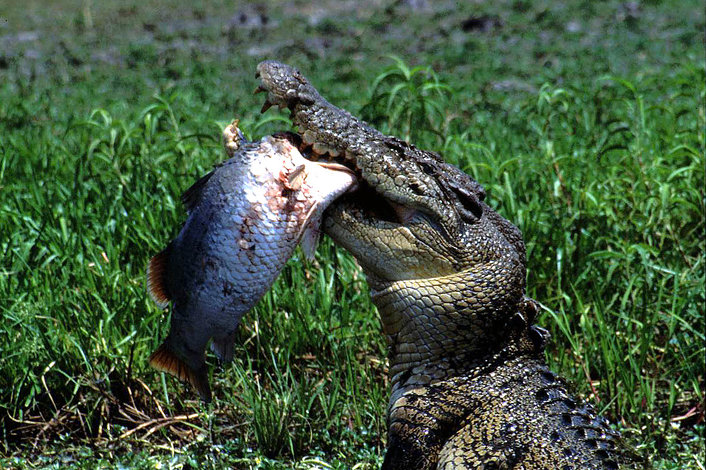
(245, 219)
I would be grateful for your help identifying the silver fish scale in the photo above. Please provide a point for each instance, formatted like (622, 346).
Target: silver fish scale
(245, 220)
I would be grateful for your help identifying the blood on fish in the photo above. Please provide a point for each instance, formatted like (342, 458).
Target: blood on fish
(214, 271)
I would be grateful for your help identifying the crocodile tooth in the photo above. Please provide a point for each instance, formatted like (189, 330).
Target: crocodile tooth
(308, 137)
(265, 106)
(350, 157)
(319, 148)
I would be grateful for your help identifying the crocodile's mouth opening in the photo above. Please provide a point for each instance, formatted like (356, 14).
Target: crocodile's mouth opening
(364, 202)
(316, 152)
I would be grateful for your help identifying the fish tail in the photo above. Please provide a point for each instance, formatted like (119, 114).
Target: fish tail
(164, 359)
(157, 277)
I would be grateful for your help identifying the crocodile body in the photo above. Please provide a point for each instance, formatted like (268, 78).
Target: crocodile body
(470, 387)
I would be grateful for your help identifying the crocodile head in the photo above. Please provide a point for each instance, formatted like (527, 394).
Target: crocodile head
(446, 271)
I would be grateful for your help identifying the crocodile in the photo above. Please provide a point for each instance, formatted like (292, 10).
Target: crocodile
(470, 387)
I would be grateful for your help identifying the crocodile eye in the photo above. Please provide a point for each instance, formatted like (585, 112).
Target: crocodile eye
(472, 210)
(427, 168)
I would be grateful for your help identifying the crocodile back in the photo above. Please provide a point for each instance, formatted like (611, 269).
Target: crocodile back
(504, 414)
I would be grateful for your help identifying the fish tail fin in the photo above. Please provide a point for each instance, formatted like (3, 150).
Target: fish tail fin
(164, 359)
(157, 277)
(223, 347)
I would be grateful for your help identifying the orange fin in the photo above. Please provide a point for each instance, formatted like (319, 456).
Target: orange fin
(164, 359)
(157, 277)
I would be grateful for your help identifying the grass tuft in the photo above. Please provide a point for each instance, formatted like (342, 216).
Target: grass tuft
(584, 124)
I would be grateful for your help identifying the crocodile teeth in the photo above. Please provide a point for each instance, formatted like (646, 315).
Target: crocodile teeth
(265, 106)
(324, 149)
(308, 137)
(319, 148)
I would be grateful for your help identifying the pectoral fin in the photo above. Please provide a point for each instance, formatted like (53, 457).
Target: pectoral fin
(192, 196)
(157, 277)
(223, 347)
(164, 359)
(309, 240)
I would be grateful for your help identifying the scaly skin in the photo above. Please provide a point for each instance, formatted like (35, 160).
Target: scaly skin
(470, 387)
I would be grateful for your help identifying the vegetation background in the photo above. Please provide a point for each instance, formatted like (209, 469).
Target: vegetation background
(583, 119)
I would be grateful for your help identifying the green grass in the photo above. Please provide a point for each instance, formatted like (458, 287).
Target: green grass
(584, 122)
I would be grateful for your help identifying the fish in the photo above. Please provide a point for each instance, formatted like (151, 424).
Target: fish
(244, 221)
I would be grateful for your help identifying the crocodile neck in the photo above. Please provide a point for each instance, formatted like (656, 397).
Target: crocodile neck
(442, 327)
